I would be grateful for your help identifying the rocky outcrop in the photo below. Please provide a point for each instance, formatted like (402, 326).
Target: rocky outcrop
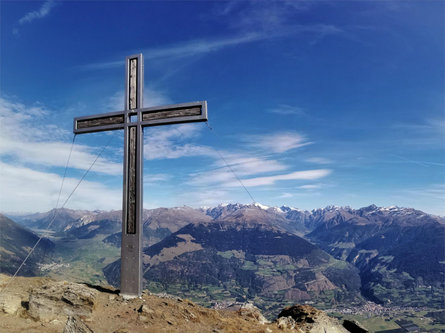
(10, 304)
(59, 306)
(251, 311)
(305, 318)
(75, 325)
(57, 300)
(354, 326)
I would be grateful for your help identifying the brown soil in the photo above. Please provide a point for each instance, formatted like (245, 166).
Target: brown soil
(149, 313)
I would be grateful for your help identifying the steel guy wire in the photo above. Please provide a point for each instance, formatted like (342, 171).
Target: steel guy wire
(56, 210)
(225, 162)
(233, 171)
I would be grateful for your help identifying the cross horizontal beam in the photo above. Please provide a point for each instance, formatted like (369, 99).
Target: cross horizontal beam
(153, 116)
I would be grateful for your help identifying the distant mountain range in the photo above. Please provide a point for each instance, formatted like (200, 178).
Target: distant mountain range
(330, 256)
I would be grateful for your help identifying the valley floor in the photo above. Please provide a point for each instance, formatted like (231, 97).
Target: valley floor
(377, 318)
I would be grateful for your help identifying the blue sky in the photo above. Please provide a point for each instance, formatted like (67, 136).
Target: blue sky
(312, 103)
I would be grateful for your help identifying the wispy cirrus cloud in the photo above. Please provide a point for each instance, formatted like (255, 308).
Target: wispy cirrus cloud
(184, 49)
(25, 138)
(225, 178)
(203, 46)
(287, 110)
(31, 149)
(262, 15)
(425, 132)
(430, 196)
(436, 191)
(277, 142)
(286, 195)
(310, 187)
(318, 160)
(30, 190)
(234, 168)
(169, 143)
(207, 197)
(43, 11)
(418, 162)
(39, 14)
(297, 175)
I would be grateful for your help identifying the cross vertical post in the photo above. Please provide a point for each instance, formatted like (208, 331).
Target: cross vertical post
(131, 246)
(132, 120)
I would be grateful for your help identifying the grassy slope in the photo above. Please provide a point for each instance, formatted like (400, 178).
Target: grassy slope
(85, 259)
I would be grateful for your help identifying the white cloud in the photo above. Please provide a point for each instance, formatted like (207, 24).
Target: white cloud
(247, 165)
(44, 10)
(55, 154)
(310, 187)
(150, 179)
(206, 197)
(277, 142)
(430, 197)
(187, 49)
(318, 160)
(26, 139)
(27, 190)
(200, 46)
(197, 47)
(297, 175)
(225, 177)
(167, 142)
(29, 149)
(238, 165)
(287, 110)
(429, 132)
(435, 191)
(265, 15)
(285, 195)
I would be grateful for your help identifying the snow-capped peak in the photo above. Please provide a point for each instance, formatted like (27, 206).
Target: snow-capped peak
(390, 208)
(286, 208)
(261, 206)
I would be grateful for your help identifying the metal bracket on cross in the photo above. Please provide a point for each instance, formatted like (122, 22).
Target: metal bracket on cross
(133, 120)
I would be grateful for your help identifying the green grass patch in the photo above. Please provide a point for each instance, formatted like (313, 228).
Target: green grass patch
(249, 265)
(83, 259)
(225, 254)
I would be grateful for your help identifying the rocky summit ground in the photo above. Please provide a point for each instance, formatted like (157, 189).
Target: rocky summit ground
(46, 305)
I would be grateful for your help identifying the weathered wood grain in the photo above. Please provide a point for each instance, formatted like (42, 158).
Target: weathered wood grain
(101, 121)
(131, 185)
(172, 113)
(133, 80)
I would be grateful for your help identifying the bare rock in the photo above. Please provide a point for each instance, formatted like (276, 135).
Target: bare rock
(354, 326)
(10, 304)
(286, 323)
(75, 325)
(58, 300)
(145, 309)
(301, 313)
(250, 310)
(305, 318)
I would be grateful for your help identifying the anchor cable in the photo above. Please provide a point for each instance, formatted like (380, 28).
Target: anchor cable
(228, 165)
(262, 212)
(255, 203)
(56, 209)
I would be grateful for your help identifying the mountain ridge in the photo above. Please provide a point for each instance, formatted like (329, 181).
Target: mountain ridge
(387, 245)
(15, 243)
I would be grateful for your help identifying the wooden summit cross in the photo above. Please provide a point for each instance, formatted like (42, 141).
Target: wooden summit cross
(133, 120)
